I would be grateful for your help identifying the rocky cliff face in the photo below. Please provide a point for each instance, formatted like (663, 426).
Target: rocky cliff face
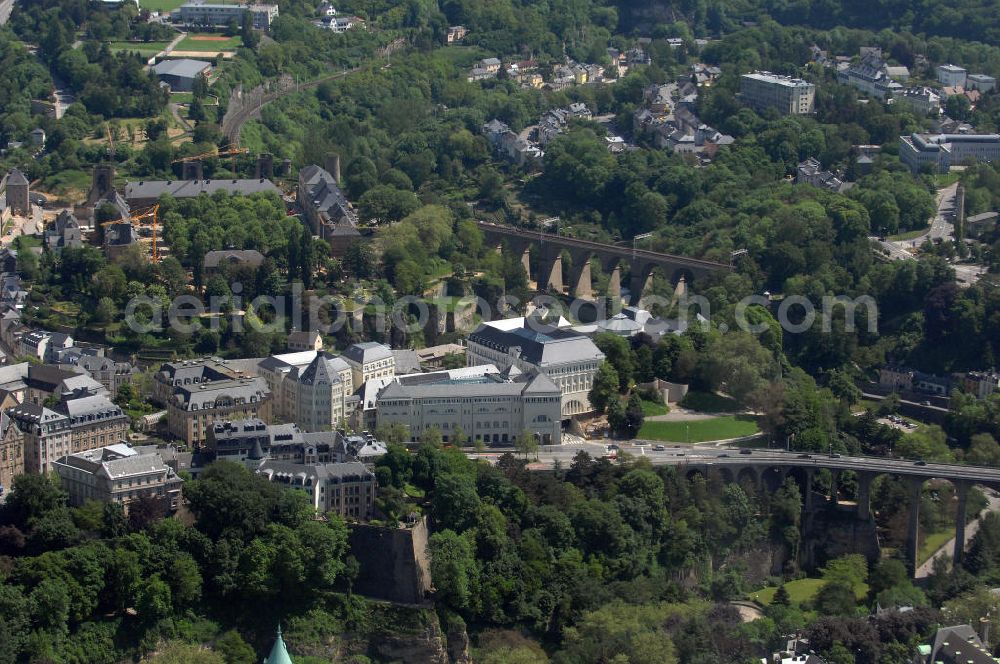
(421, 641)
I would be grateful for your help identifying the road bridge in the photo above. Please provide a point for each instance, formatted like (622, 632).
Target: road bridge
(768, 469)
(614, 259)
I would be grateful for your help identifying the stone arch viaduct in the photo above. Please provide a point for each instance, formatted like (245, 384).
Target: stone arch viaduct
(640, 263)
(768, 470)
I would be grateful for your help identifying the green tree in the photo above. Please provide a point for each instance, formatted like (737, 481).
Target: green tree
(454, 569)
(605, 387)
(527, 444)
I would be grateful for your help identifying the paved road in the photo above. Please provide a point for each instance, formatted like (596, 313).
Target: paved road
(948, 549)
(941, 227)
(688, 455)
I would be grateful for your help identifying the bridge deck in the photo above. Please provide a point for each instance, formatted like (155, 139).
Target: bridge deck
(625, 252)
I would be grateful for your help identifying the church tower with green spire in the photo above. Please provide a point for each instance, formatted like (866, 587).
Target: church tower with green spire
(279, 654)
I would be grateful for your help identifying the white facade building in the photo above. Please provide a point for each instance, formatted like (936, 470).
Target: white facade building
(951, 76)
(118, 474)
(942, 151)
(789, 96)
(568, 358)
(486, 404)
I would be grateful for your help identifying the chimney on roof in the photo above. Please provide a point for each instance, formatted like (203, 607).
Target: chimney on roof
(333, 166)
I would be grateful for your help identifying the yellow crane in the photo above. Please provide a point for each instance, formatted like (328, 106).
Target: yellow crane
(231, 152)
(138, 221)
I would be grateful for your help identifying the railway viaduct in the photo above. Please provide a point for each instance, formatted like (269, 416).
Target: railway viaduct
(640, 263)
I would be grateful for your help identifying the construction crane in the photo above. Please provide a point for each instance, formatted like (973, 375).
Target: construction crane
(231, 152)
(111, 141)
(137, 220)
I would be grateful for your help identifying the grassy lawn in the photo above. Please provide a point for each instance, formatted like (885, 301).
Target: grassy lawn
(209, 43)
(697, 431)
(182, 97)
(932, 542)
(706, 402)
(143, 48)
(68, 184)
(650, 408)
(161, 5)
(909, 235)
(942, 180)
(800, 591)
(25, 242)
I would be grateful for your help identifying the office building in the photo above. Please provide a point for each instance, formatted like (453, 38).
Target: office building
(481, 402)
(568, 358)
(980, 82)
(939, 152)
(370, 360)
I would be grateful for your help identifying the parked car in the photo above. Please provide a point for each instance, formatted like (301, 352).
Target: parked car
(659, 448)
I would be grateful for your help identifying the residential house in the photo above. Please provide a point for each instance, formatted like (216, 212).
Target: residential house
(924, 100)
(64, 232)
(870, 76)
(346, 489)
(118, 474)
(811, 172)
(303, 340)
(110, 374)
(94, 421)
(456, 33)
(981, 384)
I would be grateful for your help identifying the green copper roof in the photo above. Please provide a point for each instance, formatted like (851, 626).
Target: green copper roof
(279, 655)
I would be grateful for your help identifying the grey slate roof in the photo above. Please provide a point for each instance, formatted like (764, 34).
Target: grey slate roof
(325, 369)
(250, 257)
(542, 346)
(368, 351)
(325, 195)
(86, 409)
(16, 177)
(337, 472)
(204, 395)
(182, 68)
(487, 386)
(153, 189)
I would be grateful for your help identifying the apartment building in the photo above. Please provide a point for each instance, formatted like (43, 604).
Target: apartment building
(568, 358)
(173, 375)
(47, 435)
(482, 402)
(11, 453)
(94, 421)
(789, 96)
(310, 388)
(117, 474)
(194, 408)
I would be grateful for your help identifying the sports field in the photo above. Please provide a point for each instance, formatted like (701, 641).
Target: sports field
(208, 43)
(161, 6)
